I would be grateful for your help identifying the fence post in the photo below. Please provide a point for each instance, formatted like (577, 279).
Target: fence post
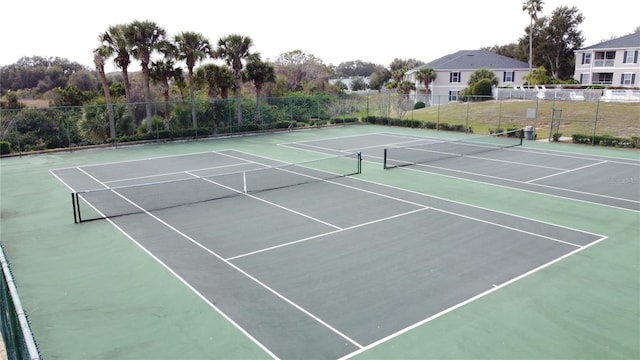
(595, 123)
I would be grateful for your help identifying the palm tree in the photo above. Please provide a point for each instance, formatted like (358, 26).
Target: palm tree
(426, 76)
(233, 49)
(99, 57)
(226, 81)
(208, 75)
(162, 72)
(145, 37)
(192, 47)
(115, 43)
(259, 73)
(532, 7)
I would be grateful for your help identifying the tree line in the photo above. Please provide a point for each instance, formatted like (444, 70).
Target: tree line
(169, 68)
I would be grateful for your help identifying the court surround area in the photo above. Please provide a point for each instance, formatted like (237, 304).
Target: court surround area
(290, 246)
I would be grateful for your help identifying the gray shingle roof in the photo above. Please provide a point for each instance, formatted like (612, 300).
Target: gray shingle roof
(475, 60)
(624, 42)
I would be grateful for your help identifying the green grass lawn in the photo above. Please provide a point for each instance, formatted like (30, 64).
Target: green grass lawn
(576, 117)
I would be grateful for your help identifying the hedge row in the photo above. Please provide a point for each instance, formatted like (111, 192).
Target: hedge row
(417, 124)
(607, 140)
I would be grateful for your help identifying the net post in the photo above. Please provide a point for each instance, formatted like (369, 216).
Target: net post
(359, 162)
(78, 207)
(384, 163)
(73, 203)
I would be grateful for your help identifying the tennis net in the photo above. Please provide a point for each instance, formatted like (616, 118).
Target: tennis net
(420, 152)
(140, 198)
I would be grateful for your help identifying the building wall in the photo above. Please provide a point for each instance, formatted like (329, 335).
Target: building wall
(587, 73)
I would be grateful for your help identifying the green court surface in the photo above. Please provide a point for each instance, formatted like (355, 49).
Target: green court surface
(531, 252)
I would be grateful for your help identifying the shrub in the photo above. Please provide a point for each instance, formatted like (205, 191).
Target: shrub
(5, 147)
(419, 105)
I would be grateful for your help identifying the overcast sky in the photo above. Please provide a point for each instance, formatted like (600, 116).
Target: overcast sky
(334, 31)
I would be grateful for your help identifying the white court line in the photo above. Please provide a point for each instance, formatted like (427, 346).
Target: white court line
(466, 302)
(238, 269)
(136, 160)
(327, 233)
(174, 173)
(245, 193)
(447, 200)
(420, 168)
(295, 305)
(566, 171)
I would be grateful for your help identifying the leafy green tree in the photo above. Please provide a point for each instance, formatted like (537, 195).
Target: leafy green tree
(560, 38)
(532, 7)
(358, 83)
(355, 68)
(259, 73)
(538, 76)
(426, 76)
(12, 101)
(483, 74)
(482, 87)
(300, 71)
(234, 49)
(145, 38)
(115, 43)
(379, 77)
(71, 96)
(99, 56)
(406, 64)
(192, 47)
(511, 50)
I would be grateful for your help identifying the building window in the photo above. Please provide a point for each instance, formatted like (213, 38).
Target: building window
(631, 57)
(586, 58)
(603, 78)
(508, 76)
(605, 58)
(453, 95)
(455, 77)
(628, 79)
(584, 79)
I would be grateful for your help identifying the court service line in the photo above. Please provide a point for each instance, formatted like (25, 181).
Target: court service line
(328, 233)
(180, 278)
(136, 160)
(522, 182)
(246, 274)
(457, 214)
(566, 171)
(174, 173)
(245, 193)
(466, 302)
(308, 147)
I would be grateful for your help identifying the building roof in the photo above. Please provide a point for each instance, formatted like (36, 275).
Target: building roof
(623, 42)
(474, 60)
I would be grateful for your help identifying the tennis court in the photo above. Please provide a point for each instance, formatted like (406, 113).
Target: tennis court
(312, 245)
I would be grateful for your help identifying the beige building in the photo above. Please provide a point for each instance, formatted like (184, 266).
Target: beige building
(453, 72)
(612, 63)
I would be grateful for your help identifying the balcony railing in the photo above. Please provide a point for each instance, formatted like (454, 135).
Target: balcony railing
(603, 63)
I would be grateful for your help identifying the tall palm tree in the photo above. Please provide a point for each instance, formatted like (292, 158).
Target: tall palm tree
(532, 7)
(192, 47)
(226, 81)
(99, 57)
(162, 72)
(145, 37)
(426, 76)
(208, 75)
(234, 49)
(259, 73)
(115, 43)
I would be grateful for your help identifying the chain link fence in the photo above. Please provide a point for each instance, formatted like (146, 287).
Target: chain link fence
(555, 114)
